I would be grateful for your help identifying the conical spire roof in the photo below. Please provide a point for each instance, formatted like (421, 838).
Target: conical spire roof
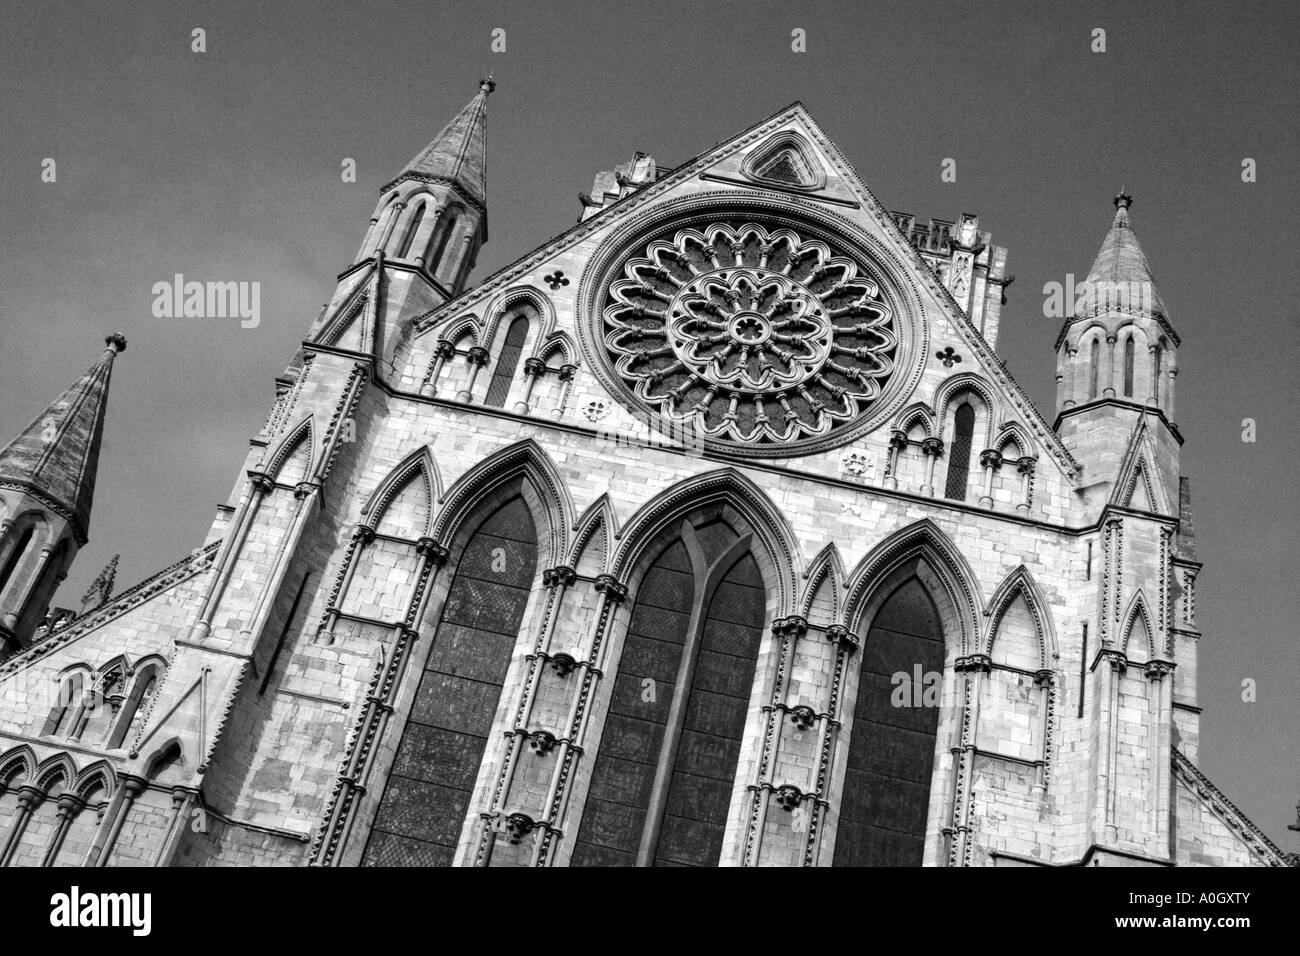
(458, 154)
(1120, 277)
(54, 459)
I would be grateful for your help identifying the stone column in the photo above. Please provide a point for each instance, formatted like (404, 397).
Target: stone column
(1025, 466)
(69, 805)
(897, 443)
(534, 368)
(132, 787)
(932, 448)
(1071, 381)
(477, 358)
(441, 353)
(1109, 390)
(29, 798)
(567, 373)
(991, 461)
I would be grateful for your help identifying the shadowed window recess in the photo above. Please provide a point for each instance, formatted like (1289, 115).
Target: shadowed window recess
(959, 457)
(891, 748)
(507, 362)
(427, 795)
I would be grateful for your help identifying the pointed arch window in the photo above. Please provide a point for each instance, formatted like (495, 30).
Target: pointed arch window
(449, 223)
(1094, 365)
(65, 707)
(663, 779)
(507, 362)
(142, 692)
(959, 458)
(1128, 367)
(101, 707)
(886, 795)
(15, 555)
(425, 800)
(416, 218)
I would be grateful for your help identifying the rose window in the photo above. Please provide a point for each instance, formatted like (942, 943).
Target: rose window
(748, 336)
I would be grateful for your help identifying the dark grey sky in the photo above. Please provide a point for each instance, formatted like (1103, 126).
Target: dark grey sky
(225, 166)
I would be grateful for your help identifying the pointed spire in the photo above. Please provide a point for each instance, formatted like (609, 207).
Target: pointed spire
(1120, 277)
(458, 154)
(54, 459)
(101, 589)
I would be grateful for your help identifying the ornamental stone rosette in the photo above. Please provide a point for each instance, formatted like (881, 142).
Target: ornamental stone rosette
(755, 339)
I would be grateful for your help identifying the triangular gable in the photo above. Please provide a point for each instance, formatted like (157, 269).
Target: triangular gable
(843, 191)
(1215, 802)
(1139, 486)
(198, 561)
(352, 327)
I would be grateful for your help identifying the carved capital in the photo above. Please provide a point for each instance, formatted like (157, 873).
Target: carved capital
(69, 805)
(518, 826)
(841, 635)
(897, 439)
(793, 626)
(567, 372)
(563, 664)
(541, 742)
(608, 585)
(1045, 677)
(1158, 670)
(561, 574)
(788, 797)
(444, 349)
(974, 662)
(534, 367)
(477, 356)
(261, 481)
(932, 447)
(1116, 658)
(1025, 466)
(991, 459)
(803, 717)
(363, 533)
(436, 552)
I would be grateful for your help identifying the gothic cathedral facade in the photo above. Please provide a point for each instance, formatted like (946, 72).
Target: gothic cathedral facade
(712, 532)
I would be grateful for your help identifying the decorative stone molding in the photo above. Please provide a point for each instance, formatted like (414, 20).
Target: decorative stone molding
(541, 742)
(560, 575)
(803, 717)
(841, 635)
(562, 664)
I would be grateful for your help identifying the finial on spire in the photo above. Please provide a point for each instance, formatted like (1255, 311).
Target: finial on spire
(116, 341)
(1123, 200)
(487, 84)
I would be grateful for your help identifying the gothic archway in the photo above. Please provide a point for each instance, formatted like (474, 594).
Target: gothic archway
(665, 772)
(429, 788)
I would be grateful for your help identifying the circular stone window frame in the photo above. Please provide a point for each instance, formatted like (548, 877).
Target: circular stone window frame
(897, 288)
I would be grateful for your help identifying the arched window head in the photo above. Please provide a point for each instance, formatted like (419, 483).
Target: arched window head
(15, 555)
(1128, 367)
(101, 709)
(411, 230)
(66, 704)
(136, 704)
(959, 458)
(447, 227)
(507, 362)
(1094, 363)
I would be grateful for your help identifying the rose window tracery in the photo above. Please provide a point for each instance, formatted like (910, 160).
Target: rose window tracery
(749, 336)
